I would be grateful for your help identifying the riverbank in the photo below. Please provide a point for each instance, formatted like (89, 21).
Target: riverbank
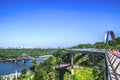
(3, 60)
(13, 59)
(13, 75)
(8, 67)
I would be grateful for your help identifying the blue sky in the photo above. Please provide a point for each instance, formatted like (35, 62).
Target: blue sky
(52, 23)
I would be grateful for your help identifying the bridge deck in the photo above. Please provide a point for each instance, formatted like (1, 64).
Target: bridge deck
(89, 51)
(113, 61)
(62, 66)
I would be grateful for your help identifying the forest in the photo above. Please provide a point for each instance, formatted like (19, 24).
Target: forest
(101, 45)
(13, 53)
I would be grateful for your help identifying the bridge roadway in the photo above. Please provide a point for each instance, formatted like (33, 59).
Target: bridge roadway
(112, 62)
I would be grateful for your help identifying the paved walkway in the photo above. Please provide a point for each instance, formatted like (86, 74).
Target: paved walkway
(113, 61)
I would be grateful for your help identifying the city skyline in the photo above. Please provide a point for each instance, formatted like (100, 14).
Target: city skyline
(50, 23)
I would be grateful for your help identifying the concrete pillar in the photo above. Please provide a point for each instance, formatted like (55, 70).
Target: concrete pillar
(72, 63)
(72, 60)
(16, 74)
(72, 71)
(105, 71)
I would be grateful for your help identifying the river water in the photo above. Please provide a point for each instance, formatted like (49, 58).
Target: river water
(7, 67)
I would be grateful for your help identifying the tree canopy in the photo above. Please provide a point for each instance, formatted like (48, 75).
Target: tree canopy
(101, 45)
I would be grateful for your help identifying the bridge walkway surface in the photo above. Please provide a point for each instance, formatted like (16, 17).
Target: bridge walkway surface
(113, 63)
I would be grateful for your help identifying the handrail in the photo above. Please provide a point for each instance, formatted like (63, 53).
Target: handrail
(112, 59)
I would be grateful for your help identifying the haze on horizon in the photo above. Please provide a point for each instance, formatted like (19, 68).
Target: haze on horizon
(51, 23)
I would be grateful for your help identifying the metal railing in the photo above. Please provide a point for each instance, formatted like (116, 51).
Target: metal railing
(113, 62)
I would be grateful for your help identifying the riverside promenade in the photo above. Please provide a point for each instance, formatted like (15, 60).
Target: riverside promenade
(13, 75)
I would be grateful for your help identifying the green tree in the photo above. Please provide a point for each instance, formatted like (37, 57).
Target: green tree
(108, 47)
(0, 77)
(118, 40)
(62, 54)
(40, 74)
(88, 45)
(23, 72)
(32, 68)
(100, 45)
(113, 43)
(118, 46)
(34, 64)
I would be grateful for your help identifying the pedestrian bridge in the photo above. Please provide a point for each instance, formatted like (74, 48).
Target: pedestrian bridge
(112, 60)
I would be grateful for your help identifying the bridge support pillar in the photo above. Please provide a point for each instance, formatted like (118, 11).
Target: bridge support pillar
(61, 73)
(72, 60)
(105, 69)
(72, 63)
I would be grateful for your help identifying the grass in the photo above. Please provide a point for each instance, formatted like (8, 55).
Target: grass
(80, 74)
(29, 77)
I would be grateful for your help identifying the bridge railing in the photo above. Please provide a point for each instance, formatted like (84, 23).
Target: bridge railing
(113, 60)
(88, 49)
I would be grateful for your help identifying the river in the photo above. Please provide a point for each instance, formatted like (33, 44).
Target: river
(7, 67)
